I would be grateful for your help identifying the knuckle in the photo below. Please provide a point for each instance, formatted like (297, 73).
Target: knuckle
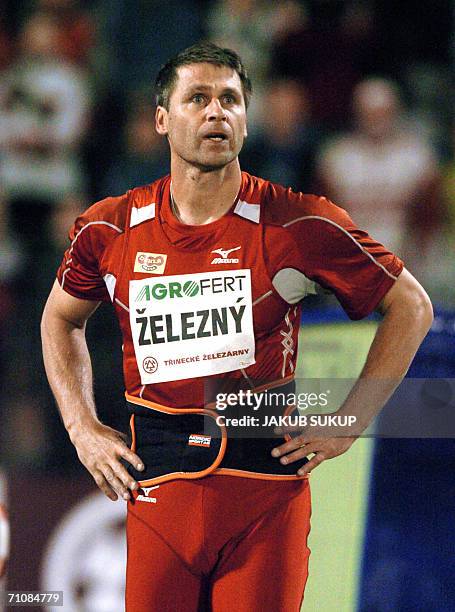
(125, 480)
(130, 458)
(109, 475)
(120, 445)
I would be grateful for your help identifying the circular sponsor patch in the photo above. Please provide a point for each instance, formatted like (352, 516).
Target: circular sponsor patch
(190, 288)
(150, 365)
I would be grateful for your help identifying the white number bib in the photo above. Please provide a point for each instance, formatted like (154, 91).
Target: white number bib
(192, 325)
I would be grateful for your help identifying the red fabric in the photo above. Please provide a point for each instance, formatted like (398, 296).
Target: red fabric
(303, 232)
(220, 543)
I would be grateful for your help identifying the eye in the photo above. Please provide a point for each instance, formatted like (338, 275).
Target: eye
(198, 99)
(228, 99)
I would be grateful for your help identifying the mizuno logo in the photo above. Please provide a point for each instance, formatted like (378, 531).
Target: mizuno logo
(224, 256)
(145, 497)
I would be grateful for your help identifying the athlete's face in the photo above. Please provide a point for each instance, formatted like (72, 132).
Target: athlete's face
(206, 120)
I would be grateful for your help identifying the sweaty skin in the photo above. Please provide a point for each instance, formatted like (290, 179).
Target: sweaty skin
(205, 125)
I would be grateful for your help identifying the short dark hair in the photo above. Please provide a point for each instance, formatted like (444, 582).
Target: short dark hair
(204, 52)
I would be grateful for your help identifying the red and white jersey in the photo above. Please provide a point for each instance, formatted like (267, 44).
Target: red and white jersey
(222, 299)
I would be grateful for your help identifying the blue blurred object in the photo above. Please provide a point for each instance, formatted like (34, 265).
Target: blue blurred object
(410, 543)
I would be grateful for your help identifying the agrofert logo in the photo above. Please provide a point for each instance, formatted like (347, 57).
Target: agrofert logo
(160, 291)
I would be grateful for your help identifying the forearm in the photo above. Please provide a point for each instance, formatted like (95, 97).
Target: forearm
(396, 342)
(407, 318)
(69, 371)
(66, 358)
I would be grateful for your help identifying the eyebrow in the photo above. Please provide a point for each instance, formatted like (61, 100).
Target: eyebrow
(202, 87)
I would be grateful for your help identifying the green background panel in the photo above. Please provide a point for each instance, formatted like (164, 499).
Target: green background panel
(340, 486)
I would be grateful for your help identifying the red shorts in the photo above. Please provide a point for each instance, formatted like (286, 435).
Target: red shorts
(220, 543)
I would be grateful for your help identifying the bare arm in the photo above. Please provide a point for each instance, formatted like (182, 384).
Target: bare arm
(69, 371)
(408, 315)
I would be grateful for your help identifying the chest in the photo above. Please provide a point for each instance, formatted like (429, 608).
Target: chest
(223, 272)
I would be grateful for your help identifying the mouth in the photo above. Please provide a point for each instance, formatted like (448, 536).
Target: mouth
(216, 137)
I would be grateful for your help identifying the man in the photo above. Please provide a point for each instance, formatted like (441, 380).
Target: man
(207, 270)
(382, 170)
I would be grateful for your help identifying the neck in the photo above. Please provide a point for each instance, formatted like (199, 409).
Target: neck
(203, 197)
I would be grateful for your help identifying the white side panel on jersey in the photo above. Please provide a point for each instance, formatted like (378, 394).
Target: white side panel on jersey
(293, 285)
(110, 281)
(248, 211)
(139, 215)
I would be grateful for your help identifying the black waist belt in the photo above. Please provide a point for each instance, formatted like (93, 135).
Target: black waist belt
(194, 442)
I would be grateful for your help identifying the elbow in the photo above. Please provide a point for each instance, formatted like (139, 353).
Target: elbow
(426, 308)
(45, 324)
(409, 305)
(422, 310)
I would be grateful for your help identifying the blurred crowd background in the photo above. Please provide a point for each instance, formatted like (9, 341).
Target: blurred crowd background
(352, 99)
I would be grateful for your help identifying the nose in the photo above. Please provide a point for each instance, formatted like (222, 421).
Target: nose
(215, 111)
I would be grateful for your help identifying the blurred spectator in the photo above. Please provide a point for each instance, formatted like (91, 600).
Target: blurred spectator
(54, 241)
(383, 173)
(44, 103)
(242, 25)
(144, 156)
(23, 368)
(328, 53)
(284, 149)
(133, 41)
(50, 447)
(76, 29)
(250, 28)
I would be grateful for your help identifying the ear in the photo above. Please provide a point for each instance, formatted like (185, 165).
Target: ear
(245, 131)
(161, 119)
